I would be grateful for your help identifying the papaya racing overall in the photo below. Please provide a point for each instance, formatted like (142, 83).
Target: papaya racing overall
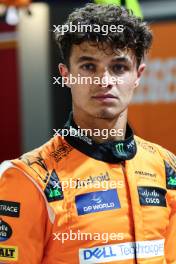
(76, 201)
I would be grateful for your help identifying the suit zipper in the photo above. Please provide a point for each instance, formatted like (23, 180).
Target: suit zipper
(125, 176)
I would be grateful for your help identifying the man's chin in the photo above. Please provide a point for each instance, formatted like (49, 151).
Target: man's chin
(107, 114)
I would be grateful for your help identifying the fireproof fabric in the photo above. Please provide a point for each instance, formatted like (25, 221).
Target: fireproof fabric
(58, 191)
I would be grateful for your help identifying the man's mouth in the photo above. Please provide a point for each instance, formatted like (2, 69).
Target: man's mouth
(105, 97)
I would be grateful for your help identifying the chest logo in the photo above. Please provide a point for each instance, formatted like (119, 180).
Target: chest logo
(152, 196)
(97, 201)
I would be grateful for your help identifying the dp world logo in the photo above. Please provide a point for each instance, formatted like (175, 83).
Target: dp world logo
(120, 149)
(96, 199)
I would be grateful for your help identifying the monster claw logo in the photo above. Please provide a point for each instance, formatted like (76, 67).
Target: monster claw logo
(120, 149)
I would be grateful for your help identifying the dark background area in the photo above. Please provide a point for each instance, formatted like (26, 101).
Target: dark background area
(30, 106)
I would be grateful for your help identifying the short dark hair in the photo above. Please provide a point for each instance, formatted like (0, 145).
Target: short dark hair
(136, 35)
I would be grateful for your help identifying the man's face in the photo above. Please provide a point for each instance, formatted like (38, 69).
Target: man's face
(108, 98)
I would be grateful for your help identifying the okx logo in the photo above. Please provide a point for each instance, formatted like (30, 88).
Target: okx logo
(120, 149)
(53, 190)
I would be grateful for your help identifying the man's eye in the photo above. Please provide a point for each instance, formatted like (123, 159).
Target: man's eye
(119, 68)
(88, 67)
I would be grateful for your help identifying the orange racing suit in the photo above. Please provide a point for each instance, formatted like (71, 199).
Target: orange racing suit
(124, 189)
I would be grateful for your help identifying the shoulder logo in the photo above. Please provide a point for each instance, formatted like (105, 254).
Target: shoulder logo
(61, 152)
(9, 208)
(170, 176)
(37, 164)
(146, 146)
(53, 190)
(172, 159)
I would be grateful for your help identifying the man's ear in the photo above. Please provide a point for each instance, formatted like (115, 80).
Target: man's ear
(140, 72)
(64, 72)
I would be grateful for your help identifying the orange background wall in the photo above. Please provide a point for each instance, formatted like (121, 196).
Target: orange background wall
(156, 121)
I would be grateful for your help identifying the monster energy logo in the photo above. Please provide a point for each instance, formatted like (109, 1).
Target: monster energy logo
(120, 149)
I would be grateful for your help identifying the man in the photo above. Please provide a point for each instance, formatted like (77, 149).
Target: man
(87, 198)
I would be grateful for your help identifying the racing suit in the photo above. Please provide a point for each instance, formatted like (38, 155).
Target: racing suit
(124, 189)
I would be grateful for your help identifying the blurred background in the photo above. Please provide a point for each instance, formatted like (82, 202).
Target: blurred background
(31, 106)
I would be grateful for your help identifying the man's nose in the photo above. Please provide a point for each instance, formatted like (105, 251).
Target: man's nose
(106, 80)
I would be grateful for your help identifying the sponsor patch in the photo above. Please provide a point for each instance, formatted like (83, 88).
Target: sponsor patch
(172, 159)
(92, 179)
(145, 173)
(146, 146)
(53, 190)
(8, 253)
(9, 208)
(35, 161)
(61, 152)
(97, 201)
(170, 176)
(5, 231)
(123, 251)
(152, 196)
(120, 149)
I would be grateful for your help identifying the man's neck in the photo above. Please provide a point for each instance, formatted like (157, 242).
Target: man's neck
(116, 127)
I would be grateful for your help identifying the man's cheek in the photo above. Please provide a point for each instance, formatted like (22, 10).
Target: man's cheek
(126, 95)
(79, 93)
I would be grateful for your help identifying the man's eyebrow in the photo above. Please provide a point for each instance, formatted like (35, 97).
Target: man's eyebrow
(116, 59)
(86, 58)
(121, 59)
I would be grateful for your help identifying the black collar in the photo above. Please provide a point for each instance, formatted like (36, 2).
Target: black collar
(110, 151)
